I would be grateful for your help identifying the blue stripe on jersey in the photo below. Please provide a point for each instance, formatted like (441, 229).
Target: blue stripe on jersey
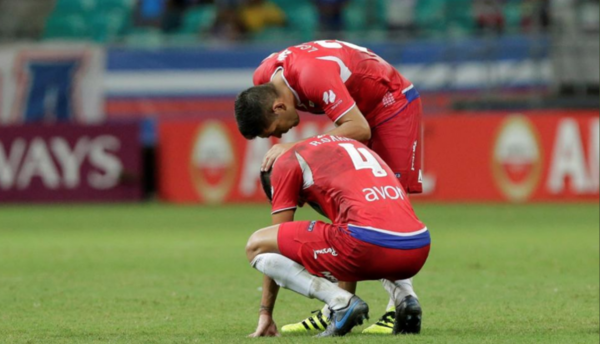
(402, 241)
(411, 94)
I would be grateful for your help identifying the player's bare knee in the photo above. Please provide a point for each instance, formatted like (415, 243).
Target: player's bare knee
(253, 246)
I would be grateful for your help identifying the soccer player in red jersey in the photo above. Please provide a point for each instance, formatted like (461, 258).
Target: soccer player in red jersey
(367, 99)
(372, 222)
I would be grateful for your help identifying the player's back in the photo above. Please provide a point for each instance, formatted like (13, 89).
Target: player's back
(321, 70)
(353, 185)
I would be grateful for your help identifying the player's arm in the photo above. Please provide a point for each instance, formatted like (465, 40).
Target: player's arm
(266, 325)
(283, 216)
(324, 84)
(352, 125)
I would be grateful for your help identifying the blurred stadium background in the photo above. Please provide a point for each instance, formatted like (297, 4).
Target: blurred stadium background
(130, 102)
(525, 70)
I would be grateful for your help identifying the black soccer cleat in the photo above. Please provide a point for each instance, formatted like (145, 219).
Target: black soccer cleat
(408, 316)
(343, 320)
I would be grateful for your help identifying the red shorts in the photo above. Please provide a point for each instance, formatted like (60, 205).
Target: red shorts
(398, 142)
(331, 252)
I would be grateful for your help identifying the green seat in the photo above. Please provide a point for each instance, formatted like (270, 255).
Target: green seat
(64, 7)
(290, 6)
(512, 16)
(198, 19)
(379, 22)
(182, 39)
(72, 26)
(430, 17)
(109, 5)
(272, 34)
(145, 38)
(354, 17)
(107, 26)
(304, 22)
(460, 17)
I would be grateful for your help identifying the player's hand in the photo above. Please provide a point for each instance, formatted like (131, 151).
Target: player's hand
(266, 327)
(273, 154)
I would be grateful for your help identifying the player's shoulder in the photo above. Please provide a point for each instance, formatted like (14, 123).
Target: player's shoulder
(323, 140)
(269, 66)
(286, 160)
(321, 148)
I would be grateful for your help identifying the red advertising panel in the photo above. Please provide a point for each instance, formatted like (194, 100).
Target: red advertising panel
(211, 162)
(536, 156)
(517, 158)
(57, 163)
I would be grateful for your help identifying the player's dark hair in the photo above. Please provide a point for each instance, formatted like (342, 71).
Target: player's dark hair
(254, 110)
(265, 180)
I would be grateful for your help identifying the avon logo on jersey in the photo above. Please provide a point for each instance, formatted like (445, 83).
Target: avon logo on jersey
(329, 97)
(378, 193)
(325, 251)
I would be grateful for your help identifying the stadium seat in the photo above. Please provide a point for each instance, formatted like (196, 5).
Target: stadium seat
(430, 17)
(512, 16)
(198, 19)
(460, 17)
(380, 20)
(304, 22)
(145, 38)
(365, 15)
(354, 16)
(273, 34)
(107, 26)
(290, 6)
(108, 5)
(65, 7)
(70, 26)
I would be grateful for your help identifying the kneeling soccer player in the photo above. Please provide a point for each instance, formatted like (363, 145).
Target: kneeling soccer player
(374, 234)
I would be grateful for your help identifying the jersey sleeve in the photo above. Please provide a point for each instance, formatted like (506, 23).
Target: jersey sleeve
(323, 83)
(286, 183)
(264, 72)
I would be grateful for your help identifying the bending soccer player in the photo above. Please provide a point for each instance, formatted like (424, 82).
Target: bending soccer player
(374, 233)
(366, 98)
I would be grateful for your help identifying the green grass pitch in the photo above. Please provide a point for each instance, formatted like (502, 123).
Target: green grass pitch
(155, 273)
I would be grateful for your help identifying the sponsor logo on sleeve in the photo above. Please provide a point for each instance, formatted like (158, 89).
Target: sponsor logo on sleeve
(388, 99)
(329, 97)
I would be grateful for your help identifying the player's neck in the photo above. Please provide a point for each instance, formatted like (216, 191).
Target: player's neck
(282, 88)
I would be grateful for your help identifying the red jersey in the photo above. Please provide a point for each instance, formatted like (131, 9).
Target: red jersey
(351, 183)
(332, 76)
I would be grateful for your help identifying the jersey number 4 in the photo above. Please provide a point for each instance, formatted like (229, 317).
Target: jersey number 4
(363, 159)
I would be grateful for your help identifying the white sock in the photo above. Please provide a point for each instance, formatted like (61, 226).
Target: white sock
(391, 304)
(291, 275)
(399, 289)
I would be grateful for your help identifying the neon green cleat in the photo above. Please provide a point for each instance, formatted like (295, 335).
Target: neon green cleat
(315, 323)
(384, 325)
